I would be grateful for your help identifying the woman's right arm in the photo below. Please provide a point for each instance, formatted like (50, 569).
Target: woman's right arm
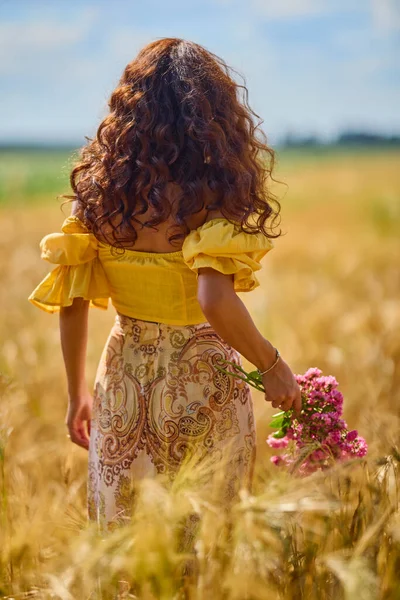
(73, 335)
(228, 315)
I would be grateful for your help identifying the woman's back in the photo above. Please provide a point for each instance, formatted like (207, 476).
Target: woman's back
(155, 239)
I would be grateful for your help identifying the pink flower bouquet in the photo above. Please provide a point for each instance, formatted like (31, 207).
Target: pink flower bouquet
(318, 436)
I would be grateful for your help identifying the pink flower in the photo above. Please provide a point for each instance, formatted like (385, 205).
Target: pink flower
(277, 442)
(360, 447)
(318, 455)
(312, 372)
(334, 437)
(352, 435)
(320, 421)
(277, 460)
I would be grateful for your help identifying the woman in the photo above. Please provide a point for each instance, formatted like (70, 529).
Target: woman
(170, 219)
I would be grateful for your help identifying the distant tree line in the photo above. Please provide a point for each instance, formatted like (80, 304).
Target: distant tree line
(290, 140)
(347, 138)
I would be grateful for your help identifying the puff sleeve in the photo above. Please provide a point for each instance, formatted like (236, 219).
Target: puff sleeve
(221, 245)
(79, 273)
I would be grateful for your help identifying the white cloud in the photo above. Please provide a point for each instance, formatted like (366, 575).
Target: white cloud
(125, 42)
(284, 9)
(19, 40)
(279, 10)
(386, 15)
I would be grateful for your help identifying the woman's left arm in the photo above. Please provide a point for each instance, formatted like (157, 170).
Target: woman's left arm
(73, 334)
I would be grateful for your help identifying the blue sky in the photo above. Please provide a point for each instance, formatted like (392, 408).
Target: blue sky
(311, 66)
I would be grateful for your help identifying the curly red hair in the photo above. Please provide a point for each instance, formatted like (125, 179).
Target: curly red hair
(175, 116)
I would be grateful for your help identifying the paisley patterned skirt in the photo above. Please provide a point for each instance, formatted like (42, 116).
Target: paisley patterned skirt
(159, 398)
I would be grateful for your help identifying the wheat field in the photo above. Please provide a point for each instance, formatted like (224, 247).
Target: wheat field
(329, 297)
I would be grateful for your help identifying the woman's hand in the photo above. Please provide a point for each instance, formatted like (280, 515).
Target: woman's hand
(78, 419)
(281, 388)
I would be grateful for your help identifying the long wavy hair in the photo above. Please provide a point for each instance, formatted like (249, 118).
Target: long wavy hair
(175, 116)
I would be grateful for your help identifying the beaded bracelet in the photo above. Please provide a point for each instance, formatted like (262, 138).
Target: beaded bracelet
(272, 366)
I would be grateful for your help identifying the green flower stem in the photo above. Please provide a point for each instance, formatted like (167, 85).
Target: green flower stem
(281, 420)
(254, 383)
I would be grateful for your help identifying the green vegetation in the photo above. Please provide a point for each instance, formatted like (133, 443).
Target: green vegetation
(32, 176)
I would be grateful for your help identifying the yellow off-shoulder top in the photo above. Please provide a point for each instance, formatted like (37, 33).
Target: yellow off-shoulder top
(153, 286)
